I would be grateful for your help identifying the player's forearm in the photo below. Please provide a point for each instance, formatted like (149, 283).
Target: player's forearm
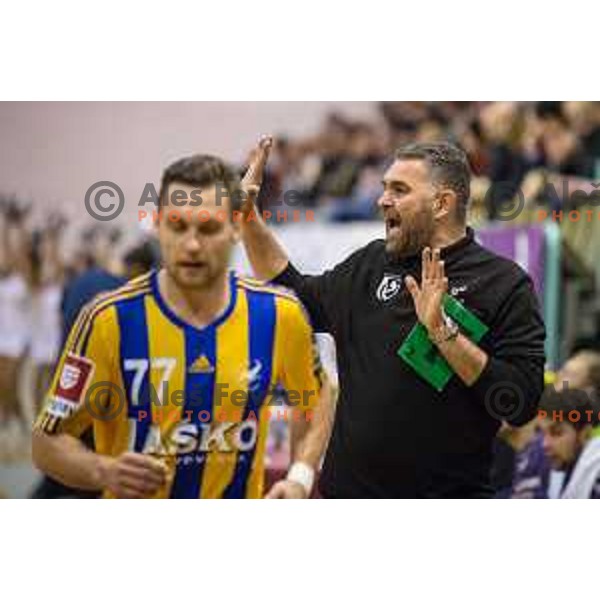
(67, 460)
(310, 432)
(465, 358)
(266, 255)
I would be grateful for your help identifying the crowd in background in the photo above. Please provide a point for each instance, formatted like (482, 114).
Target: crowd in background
(338, 172)
(514, 144)
(42, 289)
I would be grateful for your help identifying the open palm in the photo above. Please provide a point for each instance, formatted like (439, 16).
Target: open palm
(429, 295)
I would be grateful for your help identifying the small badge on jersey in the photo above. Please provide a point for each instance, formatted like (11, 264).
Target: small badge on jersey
(389, 287)
(75, 374)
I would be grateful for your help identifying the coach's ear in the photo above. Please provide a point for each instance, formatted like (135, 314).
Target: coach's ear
(444, 203)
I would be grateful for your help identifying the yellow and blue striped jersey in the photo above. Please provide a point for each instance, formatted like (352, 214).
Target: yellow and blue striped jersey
(201, 398)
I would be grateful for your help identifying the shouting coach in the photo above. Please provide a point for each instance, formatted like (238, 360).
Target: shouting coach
(438, 339)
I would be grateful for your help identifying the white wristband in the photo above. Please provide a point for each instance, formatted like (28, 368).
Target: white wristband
(303, 474)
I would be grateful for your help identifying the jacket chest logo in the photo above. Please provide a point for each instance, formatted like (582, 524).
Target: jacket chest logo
(458, 289)
(389, 286)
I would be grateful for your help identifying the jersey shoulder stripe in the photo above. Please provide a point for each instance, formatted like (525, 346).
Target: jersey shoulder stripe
(102, 302)
(258, 286)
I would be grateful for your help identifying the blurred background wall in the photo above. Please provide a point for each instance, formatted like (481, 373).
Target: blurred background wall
(55, 150)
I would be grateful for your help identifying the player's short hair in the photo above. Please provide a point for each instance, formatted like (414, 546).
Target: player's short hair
(448, 165)
(567, 401)
(201, 170)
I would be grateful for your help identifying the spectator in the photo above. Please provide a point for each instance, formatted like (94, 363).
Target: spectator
(531, 476)
(584, 118)
(46, 283)
(567, 423)
(98, 275)
(83, 289)
(582, 372)
(501, 123)
(14, 323)
(563, 150)
(518, 144)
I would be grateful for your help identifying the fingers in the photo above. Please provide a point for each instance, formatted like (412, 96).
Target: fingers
(143, 473)
(254, 175)
(443, 280)
(265, 143)
(439, 271)
(432, 267)
(412, 286)
(131, 487)
(434, 264)
(256, 169)
(145, 479)
(276, 493)
(286, 490)
(144, 463)
(426, 264)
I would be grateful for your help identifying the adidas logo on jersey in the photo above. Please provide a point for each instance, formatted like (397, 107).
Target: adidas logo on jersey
(201, 365)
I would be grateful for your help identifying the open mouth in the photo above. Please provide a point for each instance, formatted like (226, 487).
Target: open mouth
(393, 224)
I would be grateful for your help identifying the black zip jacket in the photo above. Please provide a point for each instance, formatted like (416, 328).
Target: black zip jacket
(394, 435)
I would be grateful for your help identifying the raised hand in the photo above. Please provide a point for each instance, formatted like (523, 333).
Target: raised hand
(434, 284)
(252, 180)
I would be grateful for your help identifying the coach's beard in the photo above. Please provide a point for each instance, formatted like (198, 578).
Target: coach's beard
(408, 237)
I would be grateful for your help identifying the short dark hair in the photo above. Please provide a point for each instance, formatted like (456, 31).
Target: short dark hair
(570, 400)
(448, 165)
(549, 110)
(145, 255)
(202, 170)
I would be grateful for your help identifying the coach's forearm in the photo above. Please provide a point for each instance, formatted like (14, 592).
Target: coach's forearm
(266, 255)
(465, 358)
(516, 384)
(67, 460)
